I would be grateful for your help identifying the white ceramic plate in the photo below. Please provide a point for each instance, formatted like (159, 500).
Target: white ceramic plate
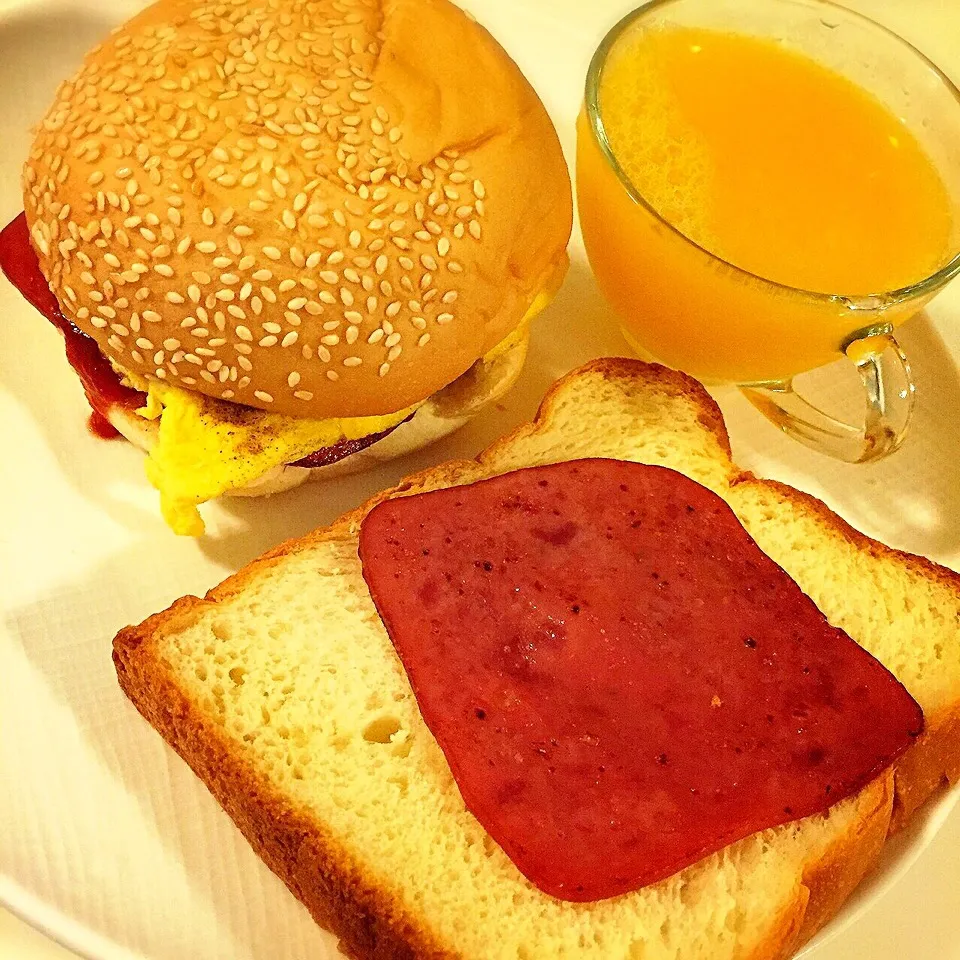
(107, 841)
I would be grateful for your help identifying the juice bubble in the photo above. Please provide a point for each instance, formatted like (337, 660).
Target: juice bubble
(661, 154)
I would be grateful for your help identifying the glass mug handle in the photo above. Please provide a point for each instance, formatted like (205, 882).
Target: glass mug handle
(889, 394)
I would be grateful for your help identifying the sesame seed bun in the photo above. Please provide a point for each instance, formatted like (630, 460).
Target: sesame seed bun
(326, 209)
(446, 411)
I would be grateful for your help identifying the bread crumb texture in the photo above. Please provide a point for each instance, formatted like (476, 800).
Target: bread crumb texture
(291, 663)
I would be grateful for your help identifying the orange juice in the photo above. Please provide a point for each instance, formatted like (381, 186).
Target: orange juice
(773, 164)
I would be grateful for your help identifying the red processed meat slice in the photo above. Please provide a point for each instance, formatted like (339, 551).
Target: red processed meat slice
(345, 448)
(620, 680)
(100, 383)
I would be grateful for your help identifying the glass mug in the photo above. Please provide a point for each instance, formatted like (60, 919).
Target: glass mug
(687, 307)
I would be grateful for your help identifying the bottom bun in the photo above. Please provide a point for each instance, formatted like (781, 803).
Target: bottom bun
(440, 415)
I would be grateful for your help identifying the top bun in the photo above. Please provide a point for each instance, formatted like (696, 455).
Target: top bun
(327, 208)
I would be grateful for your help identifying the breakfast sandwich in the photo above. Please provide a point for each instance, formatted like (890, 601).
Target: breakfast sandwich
(276, 234)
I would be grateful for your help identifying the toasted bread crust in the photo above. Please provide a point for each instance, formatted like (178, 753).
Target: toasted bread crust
(833, 878)
(931, 763)
(371, 925)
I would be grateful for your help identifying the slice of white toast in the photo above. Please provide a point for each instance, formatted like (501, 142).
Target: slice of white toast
(282, 691)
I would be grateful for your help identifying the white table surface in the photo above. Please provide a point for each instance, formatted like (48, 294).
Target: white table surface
(903, 923)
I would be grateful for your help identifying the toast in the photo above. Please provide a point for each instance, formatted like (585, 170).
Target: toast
(282, 691)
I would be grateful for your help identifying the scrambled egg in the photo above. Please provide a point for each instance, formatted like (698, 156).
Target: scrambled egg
(206, 446)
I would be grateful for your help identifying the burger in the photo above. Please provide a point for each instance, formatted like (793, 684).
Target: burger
(288, 238)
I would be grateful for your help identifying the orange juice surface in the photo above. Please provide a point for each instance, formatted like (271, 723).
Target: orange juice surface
(773, 162)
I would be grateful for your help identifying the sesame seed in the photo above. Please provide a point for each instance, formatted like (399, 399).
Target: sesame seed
(444, 318)
(262, 395)
(333, 375)
(243, 333)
